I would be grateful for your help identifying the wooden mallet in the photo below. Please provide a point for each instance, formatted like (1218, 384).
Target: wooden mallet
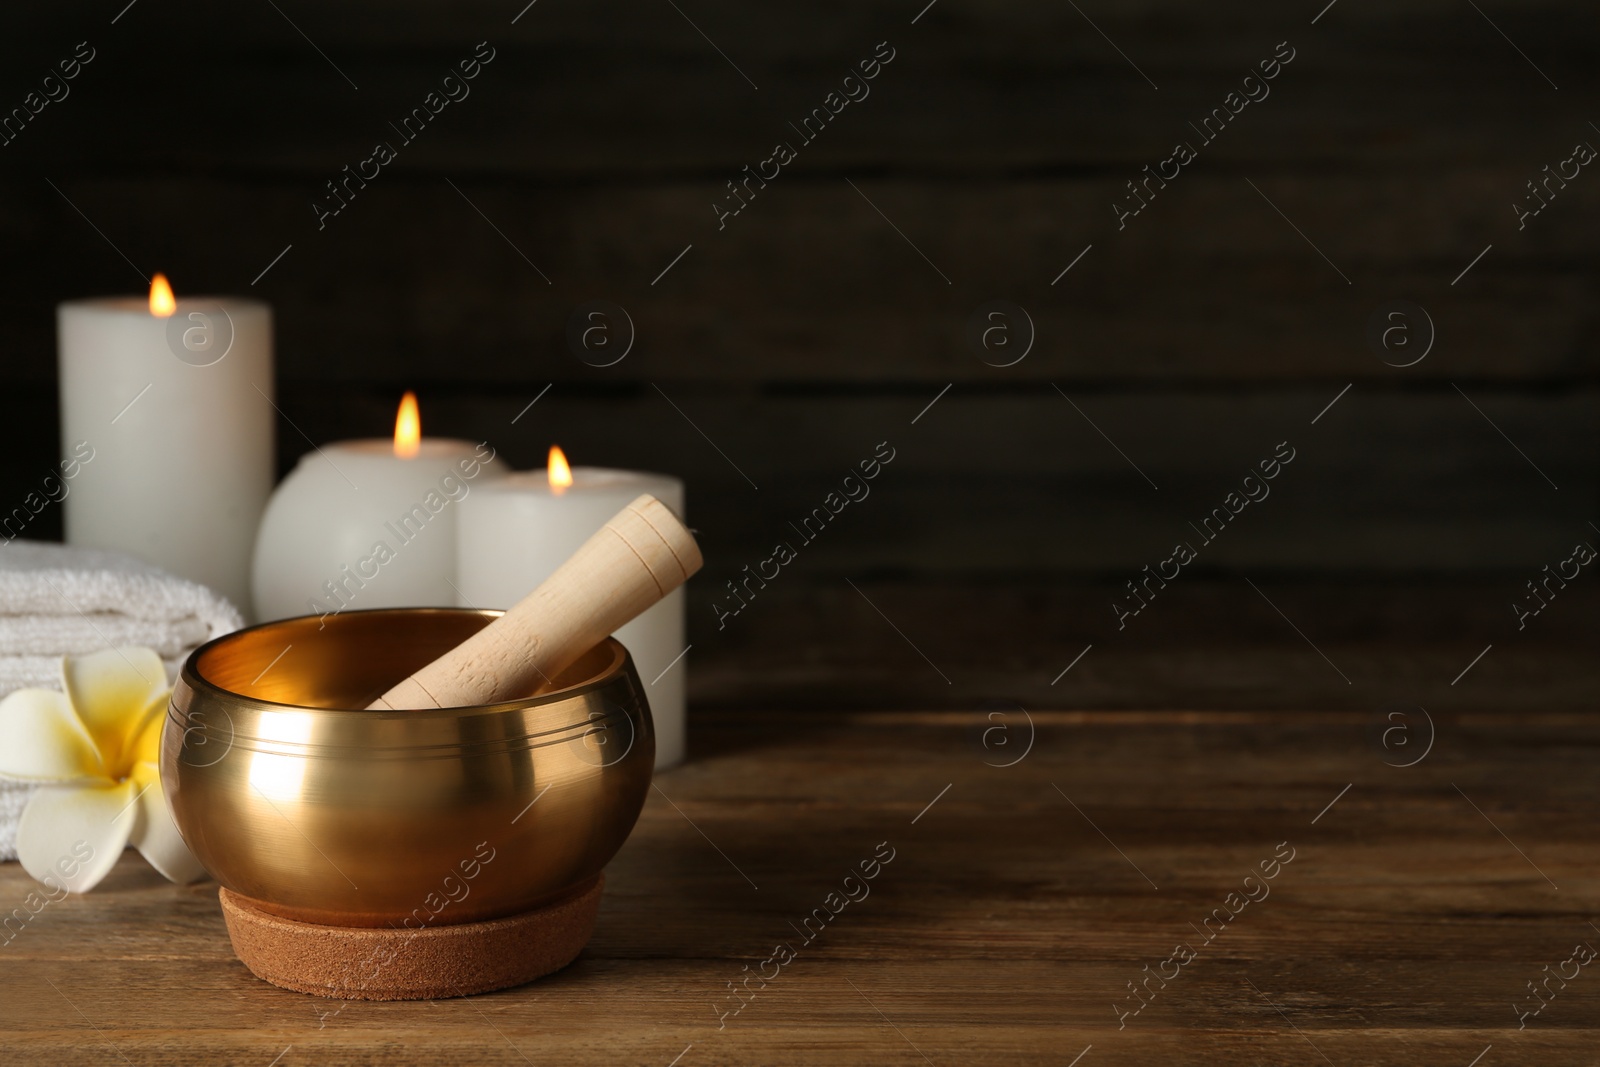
(643, 553)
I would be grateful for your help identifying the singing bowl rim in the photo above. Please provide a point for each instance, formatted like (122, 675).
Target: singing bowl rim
(190, 677)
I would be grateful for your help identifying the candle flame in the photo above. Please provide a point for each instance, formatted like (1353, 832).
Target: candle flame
(162, 303)
(408, 427)
(560, 473)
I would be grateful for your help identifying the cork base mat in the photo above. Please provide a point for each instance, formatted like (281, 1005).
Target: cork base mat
(399, 964)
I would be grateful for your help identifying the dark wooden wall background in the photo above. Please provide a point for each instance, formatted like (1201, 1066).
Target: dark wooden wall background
(809, 330)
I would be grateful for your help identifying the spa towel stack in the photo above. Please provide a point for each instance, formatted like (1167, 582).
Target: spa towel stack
(57, 601)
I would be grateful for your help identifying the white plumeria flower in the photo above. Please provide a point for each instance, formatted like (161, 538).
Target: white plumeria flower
(96, 748)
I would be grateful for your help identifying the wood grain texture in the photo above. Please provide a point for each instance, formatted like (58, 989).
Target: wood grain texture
(1207, 642)
(1018, 906)
(589, 154)
(1026, 480)
(1030, 480)
(1209, 286)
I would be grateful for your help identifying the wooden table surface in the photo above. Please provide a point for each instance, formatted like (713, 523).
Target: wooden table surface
(1019, 906)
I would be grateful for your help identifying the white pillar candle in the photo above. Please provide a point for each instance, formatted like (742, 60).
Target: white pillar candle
(512, 534)
(358, 524)
(177, 411)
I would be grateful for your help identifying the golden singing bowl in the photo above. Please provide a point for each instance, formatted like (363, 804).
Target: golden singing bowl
(326, 814)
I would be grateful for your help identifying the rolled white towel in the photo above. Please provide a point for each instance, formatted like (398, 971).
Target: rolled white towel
(56, 601)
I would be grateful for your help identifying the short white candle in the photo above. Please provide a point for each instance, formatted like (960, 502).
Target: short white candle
(177, 410)
(358, 525)
(512, 533)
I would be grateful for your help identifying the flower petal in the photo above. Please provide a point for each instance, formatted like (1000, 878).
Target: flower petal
(114, 692)
(156, 835)
(40, 737)
(146, 746)
(71, 835)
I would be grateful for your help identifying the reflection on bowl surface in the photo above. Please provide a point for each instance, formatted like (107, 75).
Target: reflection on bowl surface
(322, 812)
